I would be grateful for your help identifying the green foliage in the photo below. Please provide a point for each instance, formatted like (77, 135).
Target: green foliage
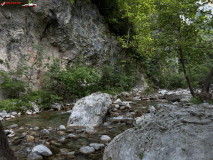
(82, 80)
(139, 13)
(150, 89)
(79, 81)
(71, 83)
(130, 21)
(11, 84)
(43, 98)
(182, 38)
(117, 79)
(172, 80)
(196, 100)
(198, 72)
(141, 156)
(14, 105)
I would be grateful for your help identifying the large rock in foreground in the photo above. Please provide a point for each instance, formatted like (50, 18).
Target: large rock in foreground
(90, 110)
(172, 134)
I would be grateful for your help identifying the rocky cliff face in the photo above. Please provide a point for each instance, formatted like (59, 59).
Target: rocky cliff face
(53, 29)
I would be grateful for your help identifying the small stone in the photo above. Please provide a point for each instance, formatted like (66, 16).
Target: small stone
(12, 134)
(61, 133)
(87, 150)
(13, 126)
(44, 131)
(79, 131)
(71, 155)
(105, 138)
(136, 98)
(152, 109)
(61, 128)
(62, 139)
(28, 112)
(90, 130)
(8, 115)
(3, 114)
(114, 109)
(175, 103)
(24, 134)
(35, 107)
(114, 114)
(7, 132)
(14, 113)
(96, 146)
(126, 104)
(64, 151)
(56, 106)
(29, 138)
(56, 143)
(122, 107)
(42, 150)
(118, 101)
(36, 128)
(116, 106)
(71, 136)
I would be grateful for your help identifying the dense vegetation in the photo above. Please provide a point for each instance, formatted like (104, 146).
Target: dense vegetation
(66, 84)
(171, 40)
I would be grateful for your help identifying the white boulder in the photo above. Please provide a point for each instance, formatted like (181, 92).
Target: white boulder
(90, 110)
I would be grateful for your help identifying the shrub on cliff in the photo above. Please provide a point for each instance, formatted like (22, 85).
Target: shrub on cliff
(11, 84)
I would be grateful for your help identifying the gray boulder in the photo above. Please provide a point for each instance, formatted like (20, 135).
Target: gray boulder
(175, 134)
(90, 110)
(42, 150)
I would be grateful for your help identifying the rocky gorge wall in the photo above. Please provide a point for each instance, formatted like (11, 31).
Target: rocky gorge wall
(63, 30)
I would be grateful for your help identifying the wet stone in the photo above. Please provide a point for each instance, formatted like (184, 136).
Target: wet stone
(87, 150)
(105, 138)
(42, 150)
(96, 146)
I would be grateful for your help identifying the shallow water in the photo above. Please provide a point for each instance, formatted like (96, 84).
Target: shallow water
(53, 119)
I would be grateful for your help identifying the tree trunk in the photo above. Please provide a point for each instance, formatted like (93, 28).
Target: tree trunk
(180, 52)
(185, 74)
(5, 152)
(205, 89)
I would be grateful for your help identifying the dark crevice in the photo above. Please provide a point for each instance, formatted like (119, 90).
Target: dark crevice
(52, 19)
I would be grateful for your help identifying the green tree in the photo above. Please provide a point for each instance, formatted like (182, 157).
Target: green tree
(138, 37)
(178, 33)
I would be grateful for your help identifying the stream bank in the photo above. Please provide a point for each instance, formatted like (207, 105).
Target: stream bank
(49, 128)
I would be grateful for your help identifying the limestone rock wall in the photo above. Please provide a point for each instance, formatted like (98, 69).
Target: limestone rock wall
(62, 30)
